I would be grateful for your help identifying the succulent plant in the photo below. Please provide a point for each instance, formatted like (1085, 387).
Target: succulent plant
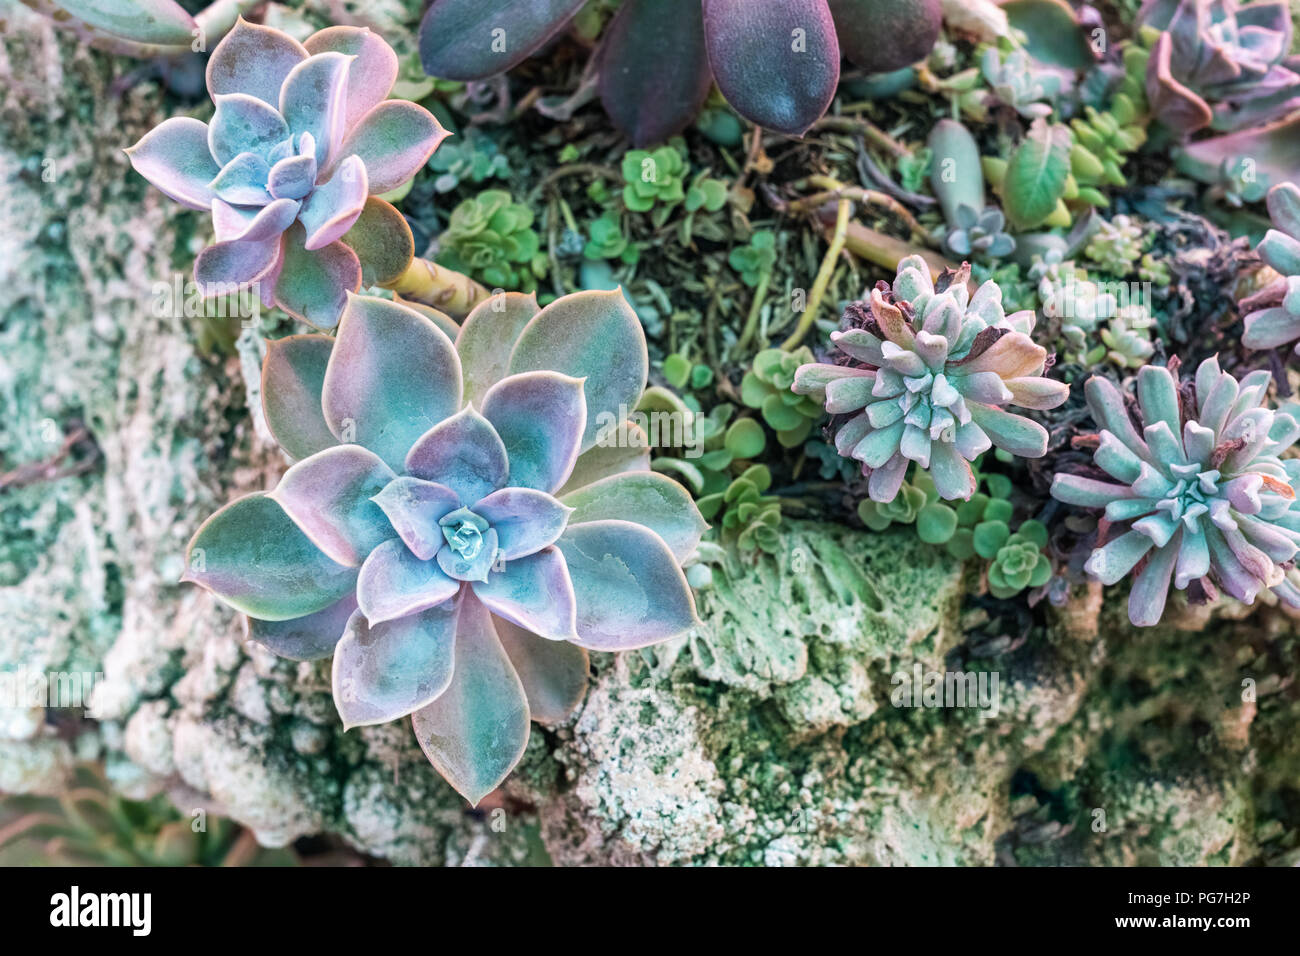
(607, 240)
(1127, 337)
(473, 159)
(1272, 315)
(1220, 64)
(300, 146)
(777, 64)
(650, 177)
(748, 517)
(766, 386)
(903, 509)
(980, 234)
(756, 258)
(1116, 246)
(1019, 82)
(932, 367)
(1016, 560)
(464, 521)
(491, 237)
(1200, 489)
(1104, 139)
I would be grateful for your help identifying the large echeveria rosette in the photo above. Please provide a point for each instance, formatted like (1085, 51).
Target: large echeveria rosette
(301, 144)
(453, 532)
(1200, 490)
(927, 379)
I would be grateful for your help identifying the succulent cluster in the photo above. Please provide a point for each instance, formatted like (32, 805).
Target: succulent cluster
(491, 237)
(464, 522)
(932, 368)
(1272, 315)
(777, 64)
(301, 144)
(1220, 64)
(1201, 490)
(766, 386)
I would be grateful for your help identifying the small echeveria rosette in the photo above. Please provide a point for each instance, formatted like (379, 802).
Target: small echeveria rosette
(1201, 490)
(1272, 315)
(301, 144)
(929, 375)
(456, 532)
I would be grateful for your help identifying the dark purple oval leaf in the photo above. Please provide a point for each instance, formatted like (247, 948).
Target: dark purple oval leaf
(908, 29)
(473, 39)
(654, 70)
(776, 63)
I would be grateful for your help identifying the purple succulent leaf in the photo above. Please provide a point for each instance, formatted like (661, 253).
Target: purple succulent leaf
(881, 36)
(372, 74)
(654, 69)
(629, 589)
(487, 337)
(242, 181)
(553, 673)
(308, 638)
(293, 177)
(244, 124)
(394, 583)
(524, 519)
(253, 59)
(624, 448)
(594, 336)
(534, 592)
(383, 671)
(392, 376)
(776, 63)
(314, 100)
(174, 157)
(222, 266)
(1269, 328)
(394, 140)
(333, 206)
(256, 224)
(313, 285)
(459, 38)
(476, 730)
(951, 472)
(465, 453)
(1146, 602)
(1087, 492)
(414, 507)
(383, 242)
(293, 374)
(541, 417)
(329, 497)
(252, 556)
(1280, 250)
(646, 498)
(1283, 203)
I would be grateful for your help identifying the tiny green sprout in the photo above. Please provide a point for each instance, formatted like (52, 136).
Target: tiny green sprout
(745, 439)
(677, 370)
(766, 387)
(756, 258)
(1019, 561)
(607, 240)
(748, 517)
(905, 507)
(706, 193)
(651, 177)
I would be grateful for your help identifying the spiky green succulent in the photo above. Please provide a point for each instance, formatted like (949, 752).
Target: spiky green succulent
(931, 369)
(1199, 494)
(464, 521)
(302, 143)
(1272, 315)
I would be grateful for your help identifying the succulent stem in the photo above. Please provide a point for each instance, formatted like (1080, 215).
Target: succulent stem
(887, 251)
(439, 287)
(751, 321)
(823, 277)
